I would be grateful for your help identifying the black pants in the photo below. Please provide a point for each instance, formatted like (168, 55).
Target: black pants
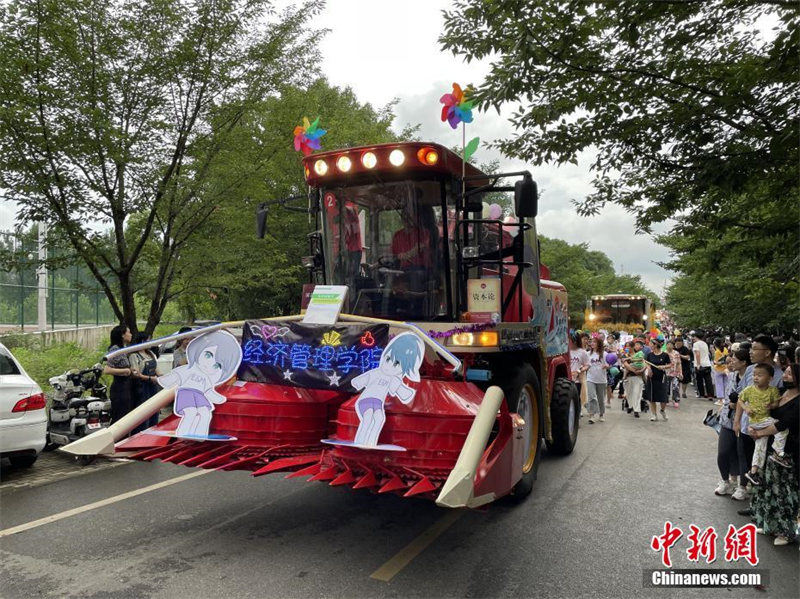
(727, 454)
(705, 387)
(745, 446)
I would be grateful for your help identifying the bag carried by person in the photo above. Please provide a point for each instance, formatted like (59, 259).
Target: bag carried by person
(712, 420)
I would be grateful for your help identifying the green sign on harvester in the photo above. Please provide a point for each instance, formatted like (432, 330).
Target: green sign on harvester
(325, 304)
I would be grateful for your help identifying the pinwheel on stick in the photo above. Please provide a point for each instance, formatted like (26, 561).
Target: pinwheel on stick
(307, 136)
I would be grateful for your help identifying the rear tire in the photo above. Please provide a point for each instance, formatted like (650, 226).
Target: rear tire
(22, 461)
(523, 396)
(565, 410)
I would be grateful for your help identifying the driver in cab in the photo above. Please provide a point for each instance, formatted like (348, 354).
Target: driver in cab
(411, 245)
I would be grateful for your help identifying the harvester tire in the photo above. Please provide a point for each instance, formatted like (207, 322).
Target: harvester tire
(523, 388)
(565, 433)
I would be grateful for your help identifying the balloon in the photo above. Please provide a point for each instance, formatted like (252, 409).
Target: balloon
(613, 371)
(611, 358)
(495, 211)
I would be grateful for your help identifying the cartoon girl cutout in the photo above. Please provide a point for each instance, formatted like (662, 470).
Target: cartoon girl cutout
(212, 359)
(401, 359)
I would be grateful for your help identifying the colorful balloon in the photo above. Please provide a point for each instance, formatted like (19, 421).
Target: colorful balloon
(611, 358)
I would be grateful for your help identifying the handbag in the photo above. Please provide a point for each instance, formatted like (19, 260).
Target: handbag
(712, 420)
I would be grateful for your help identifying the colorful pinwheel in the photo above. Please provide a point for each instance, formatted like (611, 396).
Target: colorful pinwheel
(306, 138)
(456, 107)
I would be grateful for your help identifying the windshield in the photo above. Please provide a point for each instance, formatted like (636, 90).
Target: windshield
(384, 241)
(623, 310)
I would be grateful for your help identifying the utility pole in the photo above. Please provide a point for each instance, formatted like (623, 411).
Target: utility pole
(41, 277)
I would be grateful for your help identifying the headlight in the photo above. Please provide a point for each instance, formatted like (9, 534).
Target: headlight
(320, 167)
(369, 160)
(397, 158)
(343, 163)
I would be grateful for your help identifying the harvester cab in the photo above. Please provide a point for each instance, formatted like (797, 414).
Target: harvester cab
(444, 375)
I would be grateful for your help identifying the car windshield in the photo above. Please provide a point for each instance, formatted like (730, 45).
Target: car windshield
(384, 241)
(622, 309)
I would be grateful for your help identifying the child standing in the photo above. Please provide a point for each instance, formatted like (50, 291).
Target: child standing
(757, 399)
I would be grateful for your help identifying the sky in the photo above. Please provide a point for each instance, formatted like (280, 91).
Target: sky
(383, 52)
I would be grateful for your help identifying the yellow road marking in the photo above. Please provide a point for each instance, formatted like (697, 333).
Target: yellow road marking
(103, 502)
(388, 570)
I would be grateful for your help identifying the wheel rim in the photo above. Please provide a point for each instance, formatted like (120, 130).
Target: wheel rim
(571, 418)
(530, 414)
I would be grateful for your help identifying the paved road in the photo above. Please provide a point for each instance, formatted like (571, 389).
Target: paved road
(585, 530)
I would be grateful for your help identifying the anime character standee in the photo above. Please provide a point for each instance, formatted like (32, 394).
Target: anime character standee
(212, 359)
(401, 358)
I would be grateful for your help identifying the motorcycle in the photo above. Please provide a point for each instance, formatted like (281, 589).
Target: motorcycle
(73, 414)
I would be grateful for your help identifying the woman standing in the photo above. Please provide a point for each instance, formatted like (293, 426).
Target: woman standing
(776, 503)
(120, 368)
(656, 382)
(596, 381)
(674, 375)
(144, 382)
(727, 450)
(579, 364)
(686, 364)
(720, 369)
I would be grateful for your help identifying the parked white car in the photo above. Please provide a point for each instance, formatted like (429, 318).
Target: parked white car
(23, 418)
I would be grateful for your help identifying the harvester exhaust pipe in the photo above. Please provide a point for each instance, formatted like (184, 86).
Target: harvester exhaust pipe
(458, 490)
(102, 442)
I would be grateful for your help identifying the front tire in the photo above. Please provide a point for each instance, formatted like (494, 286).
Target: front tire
(22, 461)
(565, 410)
(523, 397)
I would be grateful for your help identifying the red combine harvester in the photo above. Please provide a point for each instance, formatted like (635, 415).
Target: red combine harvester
(443, 377)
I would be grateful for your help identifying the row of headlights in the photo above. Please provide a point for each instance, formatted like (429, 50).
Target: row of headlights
(369, 160)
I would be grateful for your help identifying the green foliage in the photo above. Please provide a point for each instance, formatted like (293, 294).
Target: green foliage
(43, 363)
(691, 108)
(739, 276)
(585, 273)
(113, 116)
(227, 273)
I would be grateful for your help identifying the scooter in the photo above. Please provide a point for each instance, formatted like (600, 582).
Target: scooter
(72, 414)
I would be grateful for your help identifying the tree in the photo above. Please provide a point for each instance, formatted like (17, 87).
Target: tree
(585, 273)
(115, 109)
(690, 106)
(227, 272)
(677, 98)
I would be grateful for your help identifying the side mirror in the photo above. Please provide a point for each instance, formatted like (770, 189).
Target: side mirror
(261, 220)
(526, 197)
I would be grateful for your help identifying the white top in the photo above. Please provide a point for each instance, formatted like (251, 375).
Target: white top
(702, 348)
(597, 370)
(378, 385)
(577, 359)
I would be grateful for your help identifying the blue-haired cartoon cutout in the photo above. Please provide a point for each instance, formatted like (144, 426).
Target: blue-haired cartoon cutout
(213, 359)
(401, 359)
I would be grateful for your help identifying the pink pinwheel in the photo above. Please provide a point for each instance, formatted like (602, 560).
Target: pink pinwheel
(456, 107)
(307, 136)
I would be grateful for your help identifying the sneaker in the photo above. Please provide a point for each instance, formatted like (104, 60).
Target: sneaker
(591, 419)
(759, 531)
(754, 478)
(653, 418)
(745, 512)
(780, 540)
(723, 488)
(602, 418)
(780, 460)
(630, 410)
(664, 415)
(683, 395)
(718, 402)
(740, 494)
(636, 414)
